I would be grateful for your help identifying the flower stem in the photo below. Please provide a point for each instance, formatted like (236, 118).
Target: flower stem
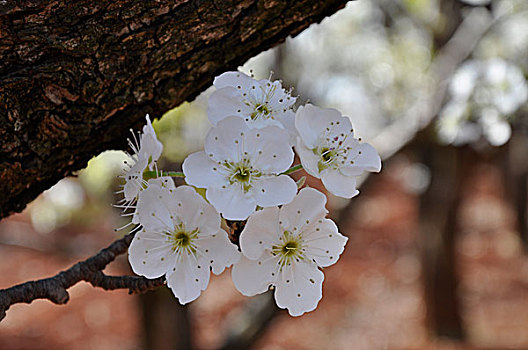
(152, 174)
(292, 169)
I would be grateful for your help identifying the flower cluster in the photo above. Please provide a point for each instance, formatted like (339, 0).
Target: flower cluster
(244, 169)
(484, 97)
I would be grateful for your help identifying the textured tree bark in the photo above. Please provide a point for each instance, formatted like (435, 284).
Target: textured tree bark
(76, 75)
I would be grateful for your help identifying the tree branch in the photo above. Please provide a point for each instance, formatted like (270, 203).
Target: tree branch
(76, 75)
(90, 270)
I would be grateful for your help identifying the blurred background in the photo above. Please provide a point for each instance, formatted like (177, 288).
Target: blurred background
(436, 257)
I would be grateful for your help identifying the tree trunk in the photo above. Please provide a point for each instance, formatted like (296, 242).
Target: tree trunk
(166, 323)
(439, 206)
(76, 75)
(515, 177)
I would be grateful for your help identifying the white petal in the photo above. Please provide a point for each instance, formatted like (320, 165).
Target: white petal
(496, 129)
(365, 157)
(150, 147)
(275, 190)
(323, 242)
(231, 202)
(299, 288)
(135, 218)
(150, 255)
(260, 123)
(288, 121)
(226, 102)
(253, 277)
(201, 171)
(225, 141)
(308, 205)
(269, 149)
(167, 186)
(134, 179)
(280, 99)
(194, 211)
(260, 233)
(152, 210)
(234, 79)
(312, 122)
(218, 251)
(309, 160)
(339, 184)
(187, 280)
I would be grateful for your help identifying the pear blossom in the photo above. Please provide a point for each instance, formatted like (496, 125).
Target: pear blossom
(329, 151)
(484, 95)
(464, 80)
(240, 168)
(181, 238)
(285, 247)
(259, 102)
(454, 125)
(147, 150)
(494, 127)
(504, 85)
(494, 83)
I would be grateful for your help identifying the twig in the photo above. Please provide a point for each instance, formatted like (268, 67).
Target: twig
(90, 270)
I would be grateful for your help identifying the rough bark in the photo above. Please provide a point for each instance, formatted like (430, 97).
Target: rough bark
(76, 75)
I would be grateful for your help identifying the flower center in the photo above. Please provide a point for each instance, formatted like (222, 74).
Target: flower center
(242, 173)
(182, 240)
(289, 250)
(261, 109)
(332, 151)
(327, 153)
(330, 156)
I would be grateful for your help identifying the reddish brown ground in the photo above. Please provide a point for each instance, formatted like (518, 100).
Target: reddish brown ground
(372, 298)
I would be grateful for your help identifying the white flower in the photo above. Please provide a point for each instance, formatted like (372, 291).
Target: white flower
(464, 80)
(454, 125)
(504, 84)
(484, 95)
(240, 168)
(147, 151)
(328, 149)
(259, 102)
(496, 130)
(285, 248)
(181, 239)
